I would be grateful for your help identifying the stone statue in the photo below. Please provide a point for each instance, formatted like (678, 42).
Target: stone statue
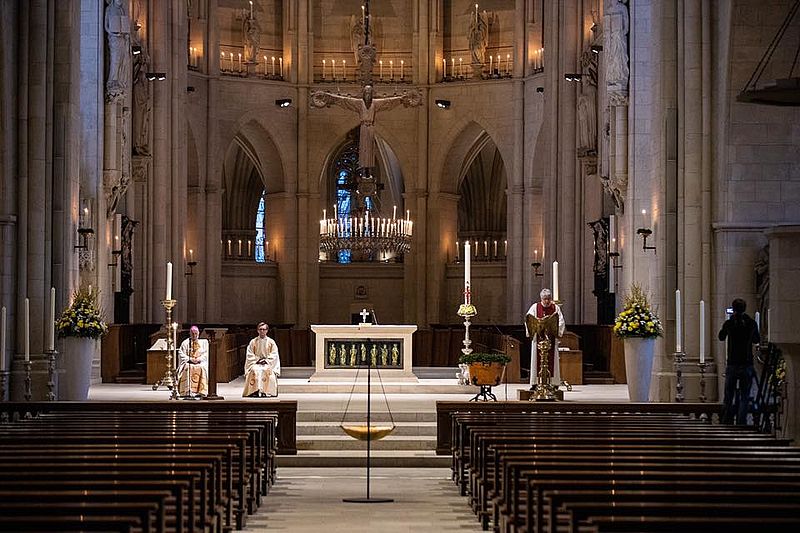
(384, 355)
(478, 37)
(332, 355)
(366, 107)
(616, 189)
(356, 35)
(363, 353)
(252, 36)
(342, 355)
(587, 106)
(762, 280)
(142, 105)
(118, 28)
(600, 232)
(617, 26)
(353, 353)
(395, 355)
(373, 356)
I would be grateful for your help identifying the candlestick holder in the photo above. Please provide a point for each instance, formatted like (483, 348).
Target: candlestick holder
(170, 379)
(190, 271)
(51, 375)
(537, 265)
(679, 359)
(702, 366)
(3, 384)
(544, 390)
(28, 395)
(466, 311)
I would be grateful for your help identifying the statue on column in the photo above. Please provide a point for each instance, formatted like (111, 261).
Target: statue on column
(252, 37)
(142, 106)
(617, 26)
(587, 106)
(118, 26)
(478, 37)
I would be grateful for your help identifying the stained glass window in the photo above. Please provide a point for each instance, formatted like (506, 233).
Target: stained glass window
(260, 229)
(346, 166)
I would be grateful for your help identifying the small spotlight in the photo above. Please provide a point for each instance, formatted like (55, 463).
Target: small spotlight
(189, 89)
(572, 77)
(596, 48)
(136, 49)
(443, 104)
(151, 76)
(540, 89)
(283, 102)
(161, 76)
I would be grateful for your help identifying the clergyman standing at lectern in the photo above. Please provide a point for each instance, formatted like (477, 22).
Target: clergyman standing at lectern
(543, 309)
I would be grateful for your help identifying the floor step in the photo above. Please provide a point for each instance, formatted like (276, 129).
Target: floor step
(597, 378)
(401, 428)
(345, 442)
(377, 416)
(357, 458)
(130, 377)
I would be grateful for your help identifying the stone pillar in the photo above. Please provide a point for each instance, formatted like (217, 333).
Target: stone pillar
(784, 308)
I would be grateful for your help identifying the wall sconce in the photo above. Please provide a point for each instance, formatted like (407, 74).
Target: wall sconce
(136, 49)
(283, 102)
(153, 76)
(443, 104)
(84, 231)
(540, 89)
(596, 48)
(537, 265)
(644, 233)
(191, 263)
(573, 77)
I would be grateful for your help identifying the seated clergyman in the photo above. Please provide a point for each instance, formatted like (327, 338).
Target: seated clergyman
(263, 365)
(193, 365)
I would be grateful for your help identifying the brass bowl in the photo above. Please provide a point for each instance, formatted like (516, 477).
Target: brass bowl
(364, 432)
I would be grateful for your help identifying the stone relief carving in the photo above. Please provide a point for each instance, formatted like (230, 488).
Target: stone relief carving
(762, 279)
(600, 232)
(478, 37)
(616, 187)
(617, 26)
(357, 32)
(142, 103)
(587, 106)
(117, 26)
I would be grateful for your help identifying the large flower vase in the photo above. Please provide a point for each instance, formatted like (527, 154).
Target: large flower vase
(639, 366)
(75, 360)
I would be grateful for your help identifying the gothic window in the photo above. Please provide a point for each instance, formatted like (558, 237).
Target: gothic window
(346, 168)
(260, 230)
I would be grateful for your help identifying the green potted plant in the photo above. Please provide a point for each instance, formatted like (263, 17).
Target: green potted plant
(639, 326)
(485, 368)
(81, 324)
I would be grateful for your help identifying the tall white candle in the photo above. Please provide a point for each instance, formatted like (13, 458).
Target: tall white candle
(555, 281)
(51, 322)
(467, 256)
(702, 331)
(280, 62)
(444, 68)
(757, 318)
(2, 339)
(169, 280)
(678, 322)
(612, 233)
(27, 329)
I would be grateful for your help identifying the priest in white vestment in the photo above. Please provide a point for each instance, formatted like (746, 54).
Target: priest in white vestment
(542, 309)
(193, 365)
(263, 365)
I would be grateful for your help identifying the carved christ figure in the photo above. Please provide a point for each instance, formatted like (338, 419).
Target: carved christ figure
(366, 107)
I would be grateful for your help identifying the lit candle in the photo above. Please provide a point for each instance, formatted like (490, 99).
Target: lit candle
(231, 61)
(2, 339)
(494, 252)
(280, 63)
(169, 281)
(508, 62)
(458, 253)
(612, 233)
(266, 249)
(323, 67)
(444, 68)
(460, 67)
(466, 272)
(344, 69)
(27, 330)
(498, 64)
(229, 247)
(51, 323)
(381, 68)
(408, 214)
(490, 65)
(394, 212)
(240, 62)
(249, 242)
(333, 69)
(476, 249)
(222, 61)
(486, 248)
(536, 256)
(363, 16)
(678, 322)
(251, 8)
(452, 67)
(402, 64)
(505, 248)
(391, 69)
(476, 14)
(757, 318)
(702, 331)
(555, 281)
(191, 255)
(273, 65)
(265, 68)
(240, 247)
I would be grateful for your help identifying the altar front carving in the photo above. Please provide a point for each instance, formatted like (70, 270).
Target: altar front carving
(341, 350)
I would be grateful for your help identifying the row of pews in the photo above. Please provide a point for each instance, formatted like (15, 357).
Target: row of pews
(584, 469)
(100, 467)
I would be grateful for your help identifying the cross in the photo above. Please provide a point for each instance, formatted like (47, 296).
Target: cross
(364, 314)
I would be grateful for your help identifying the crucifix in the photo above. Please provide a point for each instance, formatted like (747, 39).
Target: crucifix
(364, 314)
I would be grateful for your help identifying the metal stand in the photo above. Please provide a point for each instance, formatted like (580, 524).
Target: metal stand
(368, 499)
(466, 350)
(702, 367)
(27, 366)
(679, 358)
(170, 379)
(484, 395)
(51, 375)
(543, 391)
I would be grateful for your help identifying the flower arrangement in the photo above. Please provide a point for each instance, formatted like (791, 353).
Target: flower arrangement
(83, 317)
(637, 318)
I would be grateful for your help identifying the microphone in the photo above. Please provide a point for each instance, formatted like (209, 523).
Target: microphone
(374, 318)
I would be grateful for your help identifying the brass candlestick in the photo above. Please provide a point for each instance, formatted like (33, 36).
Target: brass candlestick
(51, 375)
(544, 390)
(702, 366)
(170, 379)
(679, 358)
